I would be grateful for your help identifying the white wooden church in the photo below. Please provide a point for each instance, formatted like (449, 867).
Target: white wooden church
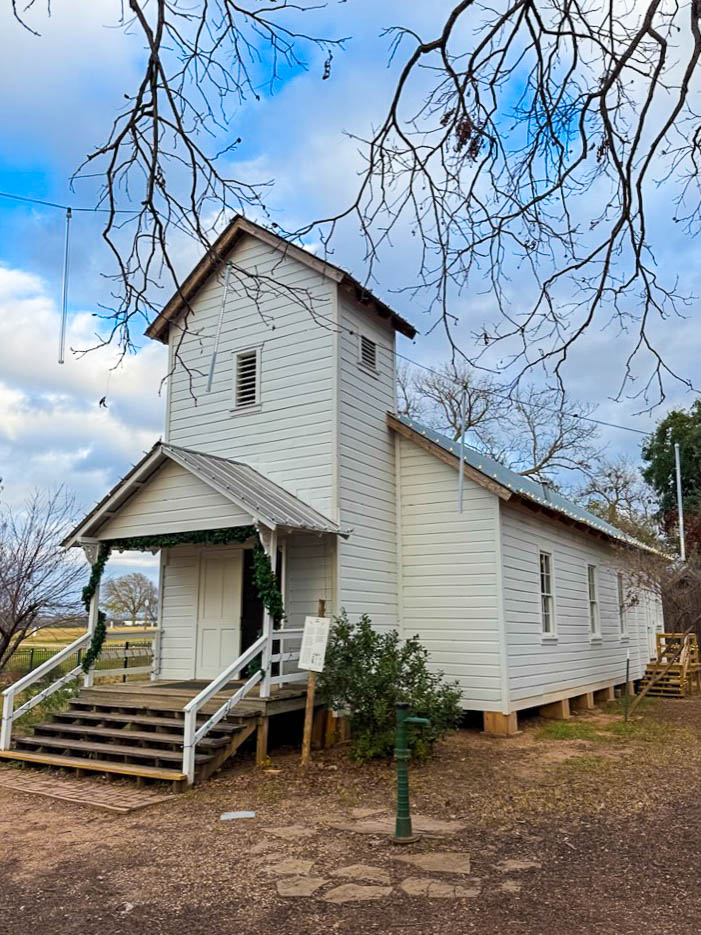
(291, 428)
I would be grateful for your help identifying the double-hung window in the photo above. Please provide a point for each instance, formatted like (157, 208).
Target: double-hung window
(622, 619)
(594, 619)
(547, 604)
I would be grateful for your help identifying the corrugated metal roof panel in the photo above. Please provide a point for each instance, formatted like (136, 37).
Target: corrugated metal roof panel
(254, 491)
(523, 486)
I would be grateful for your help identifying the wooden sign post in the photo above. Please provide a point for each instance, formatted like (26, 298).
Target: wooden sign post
(311, 657)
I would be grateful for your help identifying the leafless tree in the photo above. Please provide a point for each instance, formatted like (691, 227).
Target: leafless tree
(408, 401)
(615, 491)
(678, 584)
(455, 395)
(39, 581)
(538, 432)
(521, 147)
(131, 595)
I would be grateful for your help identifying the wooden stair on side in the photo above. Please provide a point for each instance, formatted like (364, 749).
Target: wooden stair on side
(140, 740)
(673, 679)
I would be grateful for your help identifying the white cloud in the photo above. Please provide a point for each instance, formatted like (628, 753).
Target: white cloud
(52, 429)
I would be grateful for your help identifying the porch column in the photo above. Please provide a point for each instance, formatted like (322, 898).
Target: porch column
(270, 545)
(89, 677)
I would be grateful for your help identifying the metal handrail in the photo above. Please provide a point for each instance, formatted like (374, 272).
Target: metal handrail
(191, 735)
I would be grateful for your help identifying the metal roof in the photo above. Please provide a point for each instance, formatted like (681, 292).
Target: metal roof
(522, 486)
(265, 500)
(253, 491)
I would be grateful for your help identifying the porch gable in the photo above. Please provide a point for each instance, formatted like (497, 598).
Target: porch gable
(176, 489)
(174, 500)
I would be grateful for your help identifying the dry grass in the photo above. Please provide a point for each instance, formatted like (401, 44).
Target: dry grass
(54, 637)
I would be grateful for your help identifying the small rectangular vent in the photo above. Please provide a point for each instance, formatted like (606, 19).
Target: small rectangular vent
(368, 352)
(246, 379)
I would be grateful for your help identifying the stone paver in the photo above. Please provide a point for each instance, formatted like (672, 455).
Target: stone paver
(354, 892)
(436, 889)
(363, 872)
(299, 886)
(291, 865)
(439, 862)
(518, 863)
(384, 824)
(510, 886)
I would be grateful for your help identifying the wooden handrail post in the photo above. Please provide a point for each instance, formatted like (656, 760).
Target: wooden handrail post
(309, 708)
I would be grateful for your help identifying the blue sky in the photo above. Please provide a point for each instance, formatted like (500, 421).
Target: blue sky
(63, 89)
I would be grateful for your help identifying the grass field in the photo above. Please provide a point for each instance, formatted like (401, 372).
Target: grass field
(56, 637)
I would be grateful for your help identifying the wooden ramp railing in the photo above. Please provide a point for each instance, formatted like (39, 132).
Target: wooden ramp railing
(675, 672)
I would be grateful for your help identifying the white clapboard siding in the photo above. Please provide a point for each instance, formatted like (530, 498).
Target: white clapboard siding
(367, 570)
(450, 574)
(289, 435)
(309, 576)
(174, 500)
(180, 569)
(539, 666)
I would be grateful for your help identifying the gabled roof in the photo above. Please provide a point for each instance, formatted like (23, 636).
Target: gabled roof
(505, 482)
(266, 501)
(240, 226)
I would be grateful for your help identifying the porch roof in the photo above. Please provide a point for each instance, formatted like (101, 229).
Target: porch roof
(244, 487)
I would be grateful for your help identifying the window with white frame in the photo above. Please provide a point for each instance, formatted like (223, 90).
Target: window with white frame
(247, 378)
(622, 619)
(547, 604)
(594, 620)
(367, 351)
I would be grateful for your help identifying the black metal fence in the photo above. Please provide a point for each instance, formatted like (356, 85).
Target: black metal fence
(28, 658)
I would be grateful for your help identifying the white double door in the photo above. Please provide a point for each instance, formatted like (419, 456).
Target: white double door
(219, 612)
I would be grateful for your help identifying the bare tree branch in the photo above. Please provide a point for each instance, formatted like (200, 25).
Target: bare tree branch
(39, 581)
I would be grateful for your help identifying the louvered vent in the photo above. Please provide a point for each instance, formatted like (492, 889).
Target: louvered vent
(368, 352)
(246, 379)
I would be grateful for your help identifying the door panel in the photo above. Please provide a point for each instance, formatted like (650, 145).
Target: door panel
(219, 613)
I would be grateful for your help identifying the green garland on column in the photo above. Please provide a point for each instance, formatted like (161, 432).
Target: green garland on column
(267, 583)
(98, 637)
(265, 579)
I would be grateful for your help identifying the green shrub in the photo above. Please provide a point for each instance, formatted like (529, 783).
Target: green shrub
(367, 673)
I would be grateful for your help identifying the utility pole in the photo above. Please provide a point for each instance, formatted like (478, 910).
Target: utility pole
(680, 504)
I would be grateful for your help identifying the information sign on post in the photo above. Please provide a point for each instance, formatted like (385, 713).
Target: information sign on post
(311, 657)
(313, 651)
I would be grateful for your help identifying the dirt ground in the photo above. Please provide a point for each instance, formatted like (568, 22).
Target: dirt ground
(587, 827)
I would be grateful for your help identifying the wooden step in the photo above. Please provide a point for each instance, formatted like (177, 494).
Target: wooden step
(224, 727)
(68, 743)
(124, 734)
(101, 766)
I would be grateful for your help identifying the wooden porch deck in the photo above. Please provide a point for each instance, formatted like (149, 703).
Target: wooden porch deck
(174, 694)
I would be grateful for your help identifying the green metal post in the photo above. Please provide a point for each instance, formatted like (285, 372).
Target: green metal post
(403, 832)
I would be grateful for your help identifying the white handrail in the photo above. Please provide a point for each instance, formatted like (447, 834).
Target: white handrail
(191, 735)
(9, 715)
